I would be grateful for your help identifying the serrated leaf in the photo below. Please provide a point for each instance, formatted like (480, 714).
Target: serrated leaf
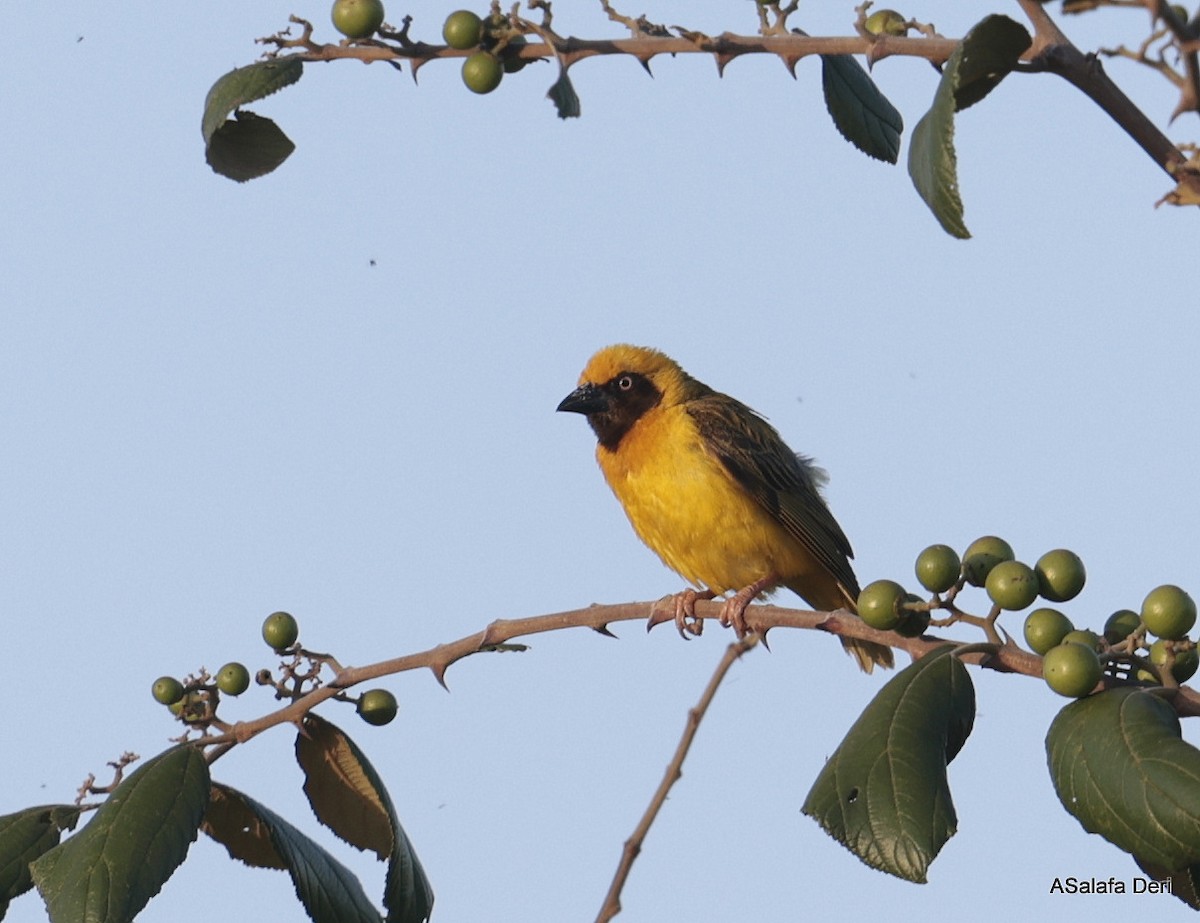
(348, 796)
(24, 836)
(247, 147)
(884, 793)
(328, 890)
(985, 55)
(108, 871)
(564, 97)
(246, 85)
(245, 837)
(863, 115)
(1121, 768)
(343, 796)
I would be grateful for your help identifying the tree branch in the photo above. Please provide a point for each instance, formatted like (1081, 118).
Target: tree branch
(760, 619)
(1052, 52)
(674, 771)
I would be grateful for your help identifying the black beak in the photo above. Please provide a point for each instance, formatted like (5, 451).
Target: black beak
(586, 399)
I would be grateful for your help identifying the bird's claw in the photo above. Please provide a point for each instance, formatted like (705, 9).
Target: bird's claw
(733, 614)
(687, 623)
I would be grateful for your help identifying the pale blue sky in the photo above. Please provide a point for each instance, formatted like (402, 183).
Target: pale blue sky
(214, 407)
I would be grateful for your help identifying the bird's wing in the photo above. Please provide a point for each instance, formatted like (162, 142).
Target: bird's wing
(786, 485)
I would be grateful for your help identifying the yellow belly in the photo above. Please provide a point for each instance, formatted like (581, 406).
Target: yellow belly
(686, 507)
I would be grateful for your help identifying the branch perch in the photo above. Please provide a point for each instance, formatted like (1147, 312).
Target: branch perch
(759, 619)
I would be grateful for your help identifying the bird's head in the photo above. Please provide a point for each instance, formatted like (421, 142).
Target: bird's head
(620, 384)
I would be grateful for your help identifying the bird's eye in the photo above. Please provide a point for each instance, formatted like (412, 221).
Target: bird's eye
(625, 382)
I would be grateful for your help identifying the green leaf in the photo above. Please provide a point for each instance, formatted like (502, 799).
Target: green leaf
(1121, 768)
(932, 163)
(883, 794)
(862, 114)
(108, 871)
(24, 836)
(328, 890)
(246, 85)
(982, 59)
(564, 97)
(987, 55)
(348, 796)
(247, 147)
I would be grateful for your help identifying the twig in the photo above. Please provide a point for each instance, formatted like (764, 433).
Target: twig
(633, 845)
(1053, 53)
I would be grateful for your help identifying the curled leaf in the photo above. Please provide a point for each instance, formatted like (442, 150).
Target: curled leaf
(982, 59)
(246, 85)
(248, 145)
(564, 97)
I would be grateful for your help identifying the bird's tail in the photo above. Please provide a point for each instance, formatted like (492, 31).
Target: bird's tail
(867, 654)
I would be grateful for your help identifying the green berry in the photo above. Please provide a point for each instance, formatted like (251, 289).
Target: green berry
(233, 678)
(879, 604)
(1120, 625)
(377, 707)
(1071, 669)
(167, 690)
(1169, 612)
(938, 568)
(1185, 664)
(1084, 636)
(982, 555)
(462, 30)
(1060, 575)
(913, 622)
(886, 22)
(1012, 585)
(1045, 629)
(280, 630)
(357, 18)
(482, 72)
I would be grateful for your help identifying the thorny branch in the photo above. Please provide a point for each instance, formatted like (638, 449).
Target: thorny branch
(760, 619)
(1051, 52)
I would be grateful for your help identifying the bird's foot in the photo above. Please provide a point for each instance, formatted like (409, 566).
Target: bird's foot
(687, 623)
(733, 613)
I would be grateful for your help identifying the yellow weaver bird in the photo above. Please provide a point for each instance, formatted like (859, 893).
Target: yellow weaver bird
(711, 487)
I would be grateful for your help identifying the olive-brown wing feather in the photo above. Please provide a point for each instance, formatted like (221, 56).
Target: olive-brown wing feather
(782, 483)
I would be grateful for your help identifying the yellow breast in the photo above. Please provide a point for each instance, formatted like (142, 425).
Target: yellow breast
(686, 507)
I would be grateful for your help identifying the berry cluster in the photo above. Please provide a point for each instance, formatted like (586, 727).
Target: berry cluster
(1074, 660)
(194, 700)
